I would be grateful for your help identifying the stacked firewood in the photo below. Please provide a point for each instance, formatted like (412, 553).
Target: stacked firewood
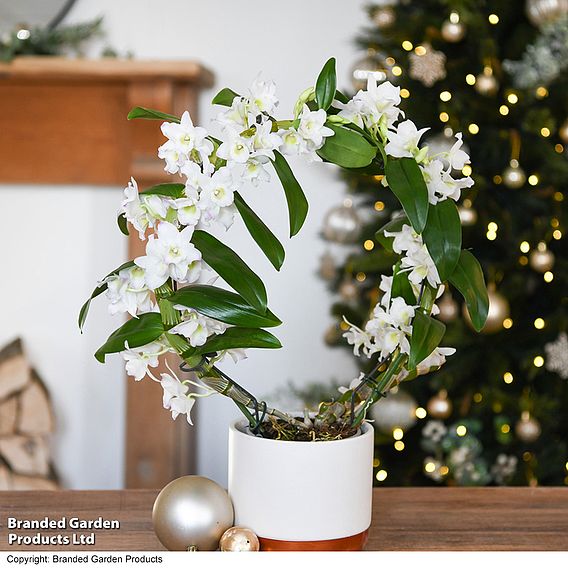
(26, 422)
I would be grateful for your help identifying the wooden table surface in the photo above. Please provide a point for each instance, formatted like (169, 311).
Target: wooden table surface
(403, 518)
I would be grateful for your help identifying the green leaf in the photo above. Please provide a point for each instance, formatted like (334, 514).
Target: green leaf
(427, 333)
(151, 114)
(326, 84)
(231, 267)
(468, 279)
(347, 148)
(224, 97)
(407, 183)
(341, 97)
(135, 332)
(297, 202)
(240, 338)
(173, 190)
(401, 286)
(443, 237)
(393, 226)
(123, 224)
(263, 236)
(222, 305)
(98, 291)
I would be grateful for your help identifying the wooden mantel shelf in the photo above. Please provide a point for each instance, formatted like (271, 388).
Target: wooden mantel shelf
(109, 69)
(403, 518)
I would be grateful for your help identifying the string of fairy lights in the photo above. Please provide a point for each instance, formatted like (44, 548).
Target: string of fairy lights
(535, 255)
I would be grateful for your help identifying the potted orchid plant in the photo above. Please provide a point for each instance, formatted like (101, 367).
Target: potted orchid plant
(175, 308)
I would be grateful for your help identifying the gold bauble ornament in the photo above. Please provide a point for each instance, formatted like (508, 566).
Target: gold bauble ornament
(542, 259)
(542, 12)
(192, 513)
(448, 307)
(440, 406)
(239, 539)
(498, 311)
(563, 131)
(384, 17)
(468, 216)
(528, 428)
(485, 83)
(342, 224)
(514, 176)
(453, 31)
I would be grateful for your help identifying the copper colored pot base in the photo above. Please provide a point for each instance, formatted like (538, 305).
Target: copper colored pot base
(349, 543)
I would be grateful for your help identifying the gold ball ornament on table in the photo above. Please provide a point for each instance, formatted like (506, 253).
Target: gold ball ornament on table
(542, 12)
(528, 428)
(499, 311)
(192, 513)
(342, 224)
(440, 406)
(239, 539)
(542, 259)
(485, 83)
(514, 176)
(397, 410)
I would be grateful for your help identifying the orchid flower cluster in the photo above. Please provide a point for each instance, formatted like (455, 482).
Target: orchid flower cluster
(212, 173)
(389, 327)
(169, 291)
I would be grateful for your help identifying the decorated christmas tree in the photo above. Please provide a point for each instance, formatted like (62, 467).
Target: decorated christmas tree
(498, 73)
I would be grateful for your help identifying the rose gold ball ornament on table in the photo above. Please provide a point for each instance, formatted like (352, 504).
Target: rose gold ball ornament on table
(239, 539)
(192, 513)
(542, 259)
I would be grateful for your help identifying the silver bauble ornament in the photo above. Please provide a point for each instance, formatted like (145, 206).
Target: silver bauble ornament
(397, 410)
(499, 311)
(528, 428)
(514, 176)
(468, 216)
(563, 131)
(542, 259)
(192, 513)
(542, 12)
(486, 83)
(453, 31)
(348, 290)
(342, 224)
(384, 17)
(327, 268)
(448, 307)
(440, 406)
(239, 539)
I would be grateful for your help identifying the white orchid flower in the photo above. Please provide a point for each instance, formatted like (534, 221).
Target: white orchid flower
(263, 95)
(128, 293)
(403, 141)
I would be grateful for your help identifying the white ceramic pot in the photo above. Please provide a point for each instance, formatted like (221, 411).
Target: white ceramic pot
(301, 493)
